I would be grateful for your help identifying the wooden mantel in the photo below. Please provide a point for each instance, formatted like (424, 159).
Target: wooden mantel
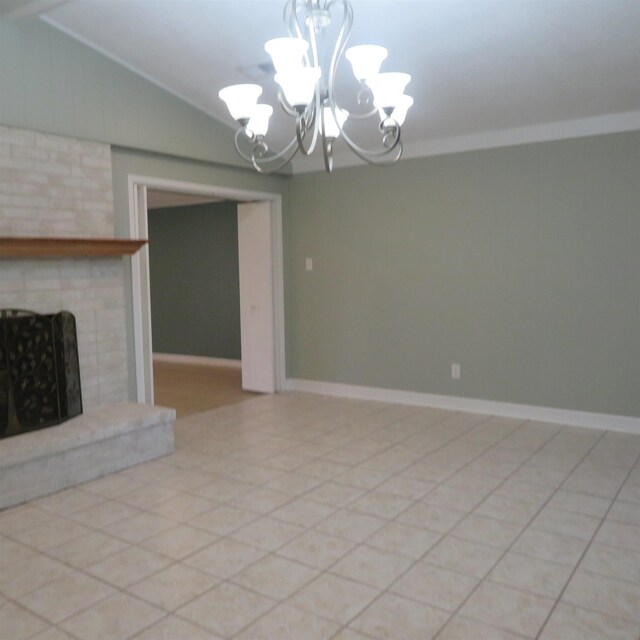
(27, 247)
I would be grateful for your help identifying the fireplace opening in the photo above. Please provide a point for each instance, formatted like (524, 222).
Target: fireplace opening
(39, 370)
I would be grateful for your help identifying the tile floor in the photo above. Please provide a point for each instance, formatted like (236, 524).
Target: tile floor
(303, 517)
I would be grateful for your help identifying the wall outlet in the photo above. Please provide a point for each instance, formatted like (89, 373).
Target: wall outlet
(308, 264)
(455, 371)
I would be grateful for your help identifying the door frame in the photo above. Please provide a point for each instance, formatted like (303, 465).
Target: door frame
(141, 292)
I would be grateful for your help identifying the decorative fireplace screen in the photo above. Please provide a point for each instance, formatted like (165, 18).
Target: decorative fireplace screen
(39, 370)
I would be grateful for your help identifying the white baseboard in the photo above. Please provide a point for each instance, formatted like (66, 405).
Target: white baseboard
(201, 360)
(624, 424)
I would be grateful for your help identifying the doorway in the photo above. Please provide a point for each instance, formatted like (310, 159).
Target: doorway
(260, 262)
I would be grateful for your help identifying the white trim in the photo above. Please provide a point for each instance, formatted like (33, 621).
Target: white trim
(624, 424)
(179, 358)
(577, 128)
(140, 272)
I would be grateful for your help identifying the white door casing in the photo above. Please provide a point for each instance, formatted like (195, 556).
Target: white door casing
(271, 271)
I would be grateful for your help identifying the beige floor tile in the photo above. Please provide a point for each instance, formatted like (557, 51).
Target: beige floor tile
(222, 489)
(268, 533)
(294, 484)
(566, 523)
(460, 498)
(351, 525)
(174, 628)
(17, 623)
(619, 534)
(525, 491)
(494, 533)
(334, 494)
(381, 504)
(627, 512)
(52, 634)
(334, 598)
(128, 566)
(405, 487)
(288, 623)
(550, 546)
(631, 491)
(52, 534)
(574, 623)
(88, 549)
(223, 520)
(534, 575)
(104, 514)
(605, 595)
(11, 551)
(261, 500)
(18, 519)
(225, 558)
(317, 549)
(174, 586)
(391, 617)
(461, 628)
(463, 556)
(580, 503)
(117, 618)
(431, 517)
(179, 541)
(373, 567)
(507, 509)
(183, 507)
(27, 575)
(148, 496)
(404, 539)
(362, 478)
(613, 562)
(139, 527)
(62, 598)
(435, 586)
(111, 486)
(275, 577)
(303, 512)
(350, 634)
(226, 609)
(67, 501)
(504, 607)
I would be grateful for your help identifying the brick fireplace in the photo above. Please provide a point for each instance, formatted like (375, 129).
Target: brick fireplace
(55, 187)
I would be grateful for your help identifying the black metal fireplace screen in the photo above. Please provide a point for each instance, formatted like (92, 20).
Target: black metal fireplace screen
(39, 370)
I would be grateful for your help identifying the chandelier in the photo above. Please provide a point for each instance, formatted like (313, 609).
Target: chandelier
(306, 66)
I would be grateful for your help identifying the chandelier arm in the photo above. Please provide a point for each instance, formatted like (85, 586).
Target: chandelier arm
(291, 146)
(286, 107)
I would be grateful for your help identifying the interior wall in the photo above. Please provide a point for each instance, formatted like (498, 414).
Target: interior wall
(521, 264)
(193, 264)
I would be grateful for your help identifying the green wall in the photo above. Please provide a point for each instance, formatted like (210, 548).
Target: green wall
(195, 295)
(522, 264)
(50, 82)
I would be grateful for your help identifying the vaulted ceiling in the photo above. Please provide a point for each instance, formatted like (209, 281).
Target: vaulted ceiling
(485, 72)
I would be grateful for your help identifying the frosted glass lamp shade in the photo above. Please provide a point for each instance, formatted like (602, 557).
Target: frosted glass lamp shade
(298, 85)
(286, 53)
(259, 122)
(331, 128)
(241, 99)
(365, 60)
(388, 89)
(399, 114)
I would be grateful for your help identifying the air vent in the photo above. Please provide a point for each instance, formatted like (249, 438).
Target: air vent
(258, 71)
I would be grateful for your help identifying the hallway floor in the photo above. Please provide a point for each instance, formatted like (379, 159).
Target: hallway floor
(304, 517)
(192, 388)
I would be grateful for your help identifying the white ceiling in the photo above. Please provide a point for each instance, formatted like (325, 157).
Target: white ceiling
(485, 72)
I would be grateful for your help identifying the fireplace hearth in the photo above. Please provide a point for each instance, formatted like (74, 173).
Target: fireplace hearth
(39, 370)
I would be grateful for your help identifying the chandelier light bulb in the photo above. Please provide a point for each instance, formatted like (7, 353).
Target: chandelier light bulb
(259, 122)
(298, 85)
(399, 114)
(331, 127)
(365, 60)
(241, 99)
(286, 53)
(388, 89)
